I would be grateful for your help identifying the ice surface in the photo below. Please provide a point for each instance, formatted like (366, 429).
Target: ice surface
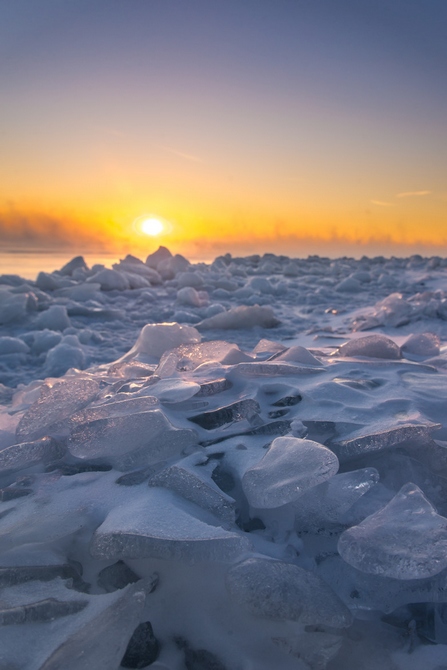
(159, 525)
(285, 592)
(290, 467)
(136, 480)
(406, 539)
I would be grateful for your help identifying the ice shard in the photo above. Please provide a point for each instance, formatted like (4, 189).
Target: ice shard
(290, 467)
(406, 539)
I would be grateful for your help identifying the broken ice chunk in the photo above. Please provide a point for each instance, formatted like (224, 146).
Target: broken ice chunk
(191, 479)
(237, 411)
(359, 444)
(130, 441)
(371, 346)
(290, 467)
(158, 524)
(284, 592)
(58, 400)
(406, 539)
(25, 454)
(329, 501)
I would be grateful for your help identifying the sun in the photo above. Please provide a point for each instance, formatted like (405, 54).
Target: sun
(151, 227)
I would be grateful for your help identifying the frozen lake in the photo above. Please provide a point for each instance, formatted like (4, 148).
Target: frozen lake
(223, 466)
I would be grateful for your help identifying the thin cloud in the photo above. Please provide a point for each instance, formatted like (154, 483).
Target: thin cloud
(381, 203)
(188, 157)
(409, 194)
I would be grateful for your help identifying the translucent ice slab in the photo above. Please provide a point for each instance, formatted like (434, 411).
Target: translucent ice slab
(406, 539)
(329, 501)
(130, 441)
(290, 467)
(58, 400)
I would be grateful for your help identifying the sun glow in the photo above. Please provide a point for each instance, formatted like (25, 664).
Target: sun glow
(152, 227)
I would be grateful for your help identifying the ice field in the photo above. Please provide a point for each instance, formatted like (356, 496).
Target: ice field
(239, 465)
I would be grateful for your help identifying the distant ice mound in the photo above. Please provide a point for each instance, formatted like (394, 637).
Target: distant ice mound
(371, 346)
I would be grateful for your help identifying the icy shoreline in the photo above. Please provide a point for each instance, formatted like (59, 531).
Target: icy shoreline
(245, 462)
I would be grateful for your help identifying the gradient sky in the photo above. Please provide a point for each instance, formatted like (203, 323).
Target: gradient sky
(248, 125)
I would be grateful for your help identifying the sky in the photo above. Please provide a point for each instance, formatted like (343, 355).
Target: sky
(243, 126)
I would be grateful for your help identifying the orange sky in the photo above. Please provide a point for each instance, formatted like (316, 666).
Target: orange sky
(286, 130)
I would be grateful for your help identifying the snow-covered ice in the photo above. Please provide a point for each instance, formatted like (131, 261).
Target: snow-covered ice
(224, 466)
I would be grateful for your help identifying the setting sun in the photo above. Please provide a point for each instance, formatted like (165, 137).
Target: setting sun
(152, 227)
